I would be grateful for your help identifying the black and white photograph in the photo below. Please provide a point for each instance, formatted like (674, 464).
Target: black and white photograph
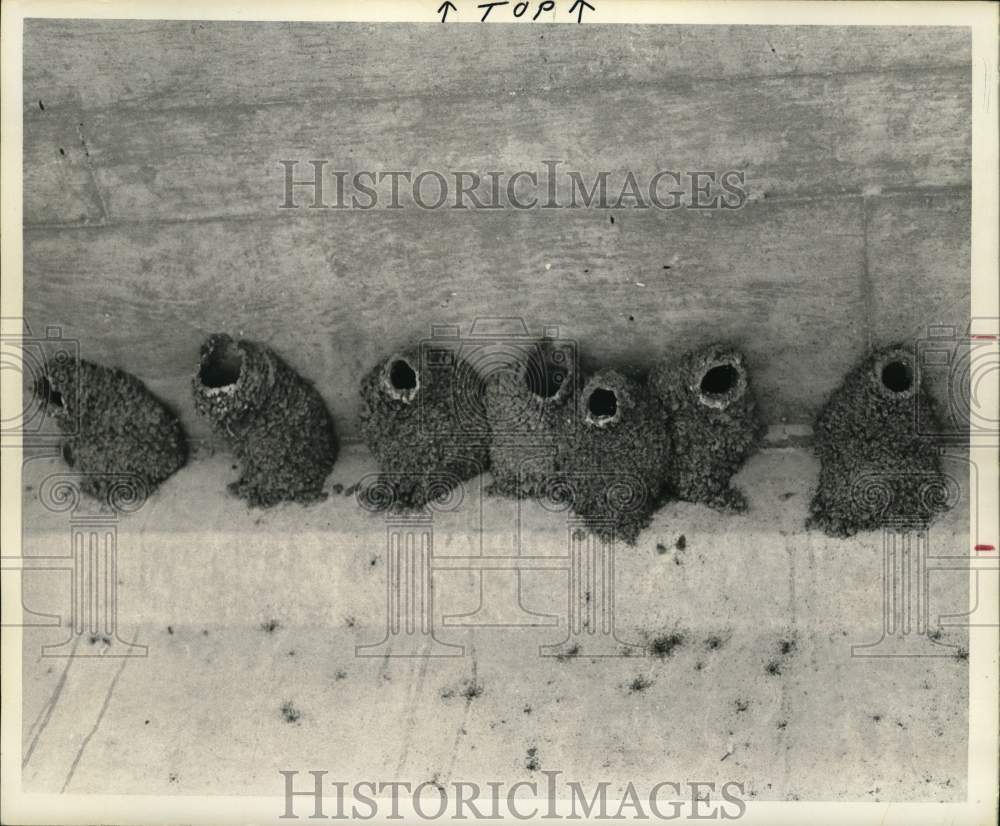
(520, 411)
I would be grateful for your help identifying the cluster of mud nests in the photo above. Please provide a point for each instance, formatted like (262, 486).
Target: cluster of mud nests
(609, 447)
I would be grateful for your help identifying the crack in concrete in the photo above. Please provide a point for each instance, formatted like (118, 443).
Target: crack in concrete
(465, 713)
(97, 722)
(46, 713)
(93, 178)
(415, 694)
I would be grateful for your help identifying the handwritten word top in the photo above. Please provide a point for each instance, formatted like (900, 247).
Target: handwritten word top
(516, 10)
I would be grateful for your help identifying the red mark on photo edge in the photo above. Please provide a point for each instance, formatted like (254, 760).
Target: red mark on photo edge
(984, 338)
(984, 548)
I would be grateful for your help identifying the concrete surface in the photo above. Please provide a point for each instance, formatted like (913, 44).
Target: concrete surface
(245, 611)
(152, 190)
(151, 193)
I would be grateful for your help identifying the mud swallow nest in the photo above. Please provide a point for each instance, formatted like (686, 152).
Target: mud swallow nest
(425, 423)
(613, 459)
(714, 422)
(273, 419)
(531, 404)
(876, 470)
(114, 431)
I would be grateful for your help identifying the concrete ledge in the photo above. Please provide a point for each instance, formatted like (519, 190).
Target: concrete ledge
(242, 611)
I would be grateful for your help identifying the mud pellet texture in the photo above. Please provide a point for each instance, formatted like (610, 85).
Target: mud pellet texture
(876, 470)
(115, 432)
(614, 467)
(274, 420)
(714, 421)
(426, 426)
(531, 403)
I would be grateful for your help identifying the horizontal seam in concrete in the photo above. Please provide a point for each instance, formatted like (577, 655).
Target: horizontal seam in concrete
(320, 214)
(146, 106)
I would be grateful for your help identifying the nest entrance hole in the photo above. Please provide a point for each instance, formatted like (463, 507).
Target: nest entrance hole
(603, 404)
(719, 380)
(402, 376)
(897, 376)
(222, 366)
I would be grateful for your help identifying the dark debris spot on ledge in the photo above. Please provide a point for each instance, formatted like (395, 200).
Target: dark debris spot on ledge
(639, 684)
(569, 653)
(664, 645)
(472, 690)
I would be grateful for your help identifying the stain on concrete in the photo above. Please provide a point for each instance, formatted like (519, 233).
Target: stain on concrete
(714, 642)
(664, 645)
(569, 654)
(639, 684)
(785, 649)
(470, 689)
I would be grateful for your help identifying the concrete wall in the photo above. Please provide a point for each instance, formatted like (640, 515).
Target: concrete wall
(152, 188)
